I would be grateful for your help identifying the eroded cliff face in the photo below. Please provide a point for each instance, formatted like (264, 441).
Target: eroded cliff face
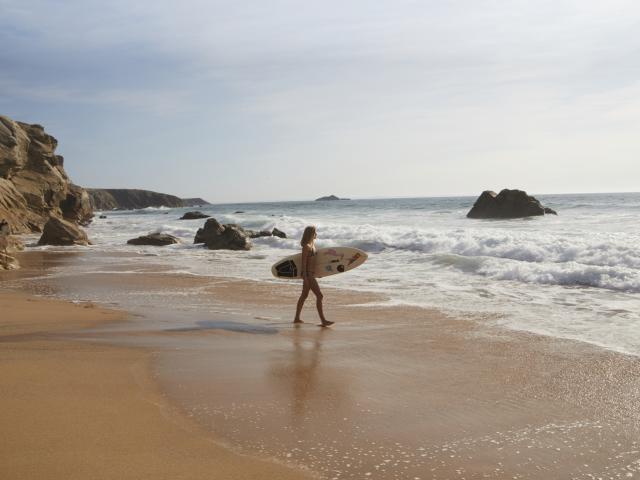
(33, 183)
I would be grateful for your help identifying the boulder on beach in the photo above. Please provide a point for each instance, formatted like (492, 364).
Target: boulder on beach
(222, 237)
(62, 232)
(8, 245)
(154, 239)
(507, 204)
(278, 233)
(193, 216)
(8, 262)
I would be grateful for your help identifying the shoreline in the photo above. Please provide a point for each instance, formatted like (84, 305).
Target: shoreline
(389, 391)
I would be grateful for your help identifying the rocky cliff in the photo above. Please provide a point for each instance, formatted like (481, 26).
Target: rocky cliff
(130, 199)
(33, 183)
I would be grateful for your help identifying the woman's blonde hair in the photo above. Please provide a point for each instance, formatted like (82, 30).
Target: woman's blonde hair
(307, 236)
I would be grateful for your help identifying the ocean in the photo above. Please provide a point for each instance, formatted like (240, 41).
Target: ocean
(575, 275)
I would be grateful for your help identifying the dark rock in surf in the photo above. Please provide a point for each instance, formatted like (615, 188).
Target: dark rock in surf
(278, 233)
(549, 211)
(261, 233)
(62, 232)
(506, 204)
(193, 216)
(210, 229)
(154, 239)
(103, 216)
(222, 237)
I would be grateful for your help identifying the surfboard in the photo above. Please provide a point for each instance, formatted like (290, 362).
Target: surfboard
(329, 261)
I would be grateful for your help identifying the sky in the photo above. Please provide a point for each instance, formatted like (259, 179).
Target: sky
(240, 101)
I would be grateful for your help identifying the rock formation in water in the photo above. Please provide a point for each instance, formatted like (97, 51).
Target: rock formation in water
(329, 197)
(278, 233)
(222, 237)
(33, 183)
(507, 204)
(193, 216)
(130, 199)
(154, 239)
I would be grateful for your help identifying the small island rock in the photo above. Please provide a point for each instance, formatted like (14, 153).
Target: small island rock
(329, 197)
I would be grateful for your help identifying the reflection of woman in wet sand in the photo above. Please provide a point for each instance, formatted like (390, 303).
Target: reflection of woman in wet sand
(309, 281)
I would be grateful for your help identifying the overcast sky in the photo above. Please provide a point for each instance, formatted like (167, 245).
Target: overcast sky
(289, 100)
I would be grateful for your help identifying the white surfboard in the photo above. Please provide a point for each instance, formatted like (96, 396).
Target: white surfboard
(329, 261)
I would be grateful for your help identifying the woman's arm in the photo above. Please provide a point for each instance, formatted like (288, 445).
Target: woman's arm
(305, 260)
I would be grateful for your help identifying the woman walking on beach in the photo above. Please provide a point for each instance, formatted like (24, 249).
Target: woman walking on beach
(309, 281)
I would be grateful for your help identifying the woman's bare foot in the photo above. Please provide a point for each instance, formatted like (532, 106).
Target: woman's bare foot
(297, 320)
(326, 323)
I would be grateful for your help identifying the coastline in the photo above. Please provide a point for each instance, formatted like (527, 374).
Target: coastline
(395, 392)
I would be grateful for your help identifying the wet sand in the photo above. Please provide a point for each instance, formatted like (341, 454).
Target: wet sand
(389, 392)
(72, 409)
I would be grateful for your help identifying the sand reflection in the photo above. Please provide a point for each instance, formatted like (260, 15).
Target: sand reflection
(300, 373)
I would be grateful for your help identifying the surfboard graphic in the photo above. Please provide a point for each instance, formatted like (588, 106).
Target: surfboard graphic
(329, 261)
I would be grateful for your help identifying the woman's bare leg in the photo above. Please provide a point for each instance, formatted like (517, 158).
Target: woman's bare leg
(303, 297)
(313, 283)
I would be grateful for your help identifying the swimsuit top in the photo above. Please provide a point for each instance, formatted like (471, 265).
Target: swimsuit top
(311, 265)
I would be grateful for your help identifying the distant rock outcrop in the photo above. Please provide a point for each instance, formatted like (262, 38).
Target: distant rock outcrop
(130, 199)
(194, 202)
(193, 216)
(222, 237)
(507, 204)
(33, 183)
(62, 232)
(154, 239)
(330, 197)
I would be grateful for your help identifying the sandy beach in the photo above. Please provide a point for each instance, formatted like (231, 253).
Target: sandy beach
(219, 380)
(77, 409)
